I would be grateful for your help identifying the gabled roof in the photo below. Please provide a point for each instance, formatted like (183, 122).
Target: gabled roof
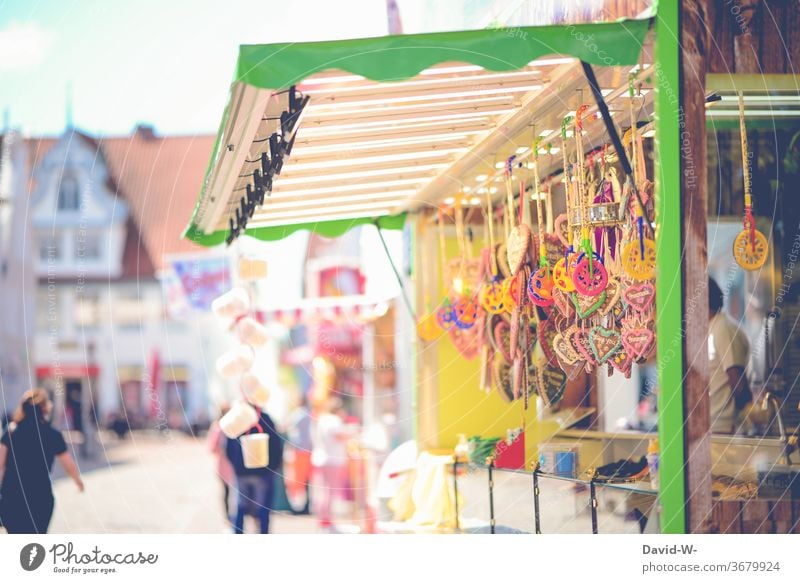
(158, 177)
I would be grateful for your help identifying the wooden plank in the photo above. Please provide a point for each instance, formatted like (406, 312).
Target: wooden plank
(730, 513)
(755, 517)
(720, 52)
(746, 30)
(795, 517)
(772, 44)
(780, 515)
(694, 207)
(791, 33)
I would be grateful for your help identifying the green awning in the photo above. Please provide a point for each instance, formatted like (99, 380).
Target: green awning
(264, 72)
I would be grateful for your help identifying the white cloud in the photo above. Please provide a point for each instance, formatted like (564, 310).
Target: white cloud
(23, 46)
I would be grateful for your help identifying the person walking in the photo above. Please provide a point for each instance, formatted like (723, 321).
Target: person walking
(27, 450)
(298, 475)
(329, 459)
(255, 487)
(728, 355)
(216, 441)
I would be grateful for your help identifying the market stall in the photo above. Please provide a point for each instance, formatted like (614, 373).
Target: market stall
(546, 243)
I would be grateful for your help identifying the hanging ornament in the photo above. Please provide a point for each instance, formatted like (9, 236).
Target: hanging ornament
(639, 260)
(446, 315)
(491, 296)
(590, 276)
(427, 326)
(519, 236)
(750, 248)
(540, 284)
(466, 312)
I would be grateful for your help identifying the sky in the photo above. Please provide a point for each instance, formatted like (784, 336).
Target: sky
(162, 62)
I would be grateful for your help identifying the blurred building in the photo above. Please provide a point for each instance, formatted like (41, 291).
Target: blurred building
(17, 278)
(105, 213)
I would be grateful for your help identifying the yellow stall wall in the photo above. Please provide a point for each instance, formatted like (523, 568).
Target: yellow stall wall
(449, 399)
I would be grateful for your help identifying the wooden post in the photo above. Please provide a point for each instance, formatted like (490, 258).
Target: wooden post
(694, 264)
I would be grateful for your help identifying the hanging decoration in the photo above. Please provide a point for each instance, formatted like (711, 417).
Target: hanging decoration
(428, 329)
(445, 315)
(540, 285)
(750, 248)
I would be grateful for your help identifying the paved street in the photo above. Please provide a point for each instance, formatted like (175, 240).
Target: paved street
(150, 484)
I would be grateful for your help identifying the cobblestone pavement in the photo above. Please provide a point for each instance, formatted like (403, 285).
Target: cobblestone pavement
(150, 484)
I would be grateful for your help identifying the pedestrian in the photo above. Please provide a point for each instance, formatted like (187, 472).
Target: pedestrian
(298, 476)
(216, 444)
(329, 458)
(728, 355)
(27, 450)
(255, 487)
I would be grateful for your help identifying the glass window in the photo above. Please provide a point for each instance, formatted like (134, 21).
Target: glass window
(87, 246)
(86, 309)
(49, 249)
(68, 194)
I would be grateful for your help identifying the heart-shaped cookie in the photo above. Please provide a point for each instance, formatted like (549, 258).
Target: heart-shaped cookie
(561, 227)
(563, 304)
(519, 240)
(587, 305)
(613, 293)
(545, 334)
(502, 259)
(565, 352)
(573, 371)
(604, 342)
(502, 377)
(551, 384)
(640, 297)
(581, 342)
(501, 334)
(638, 341)
(622, 362)
(465, 341)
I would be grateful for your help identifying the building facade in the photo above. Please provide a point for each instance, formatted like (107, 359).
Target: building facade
(104, 342)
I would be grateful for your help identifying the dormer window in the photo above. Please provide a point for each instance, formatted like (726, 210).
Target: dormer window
(68, 194)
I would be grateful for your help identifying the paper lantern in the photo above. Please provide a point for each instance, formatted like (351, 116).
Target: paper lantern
(235, 362)
(251, 332)
(231, 304)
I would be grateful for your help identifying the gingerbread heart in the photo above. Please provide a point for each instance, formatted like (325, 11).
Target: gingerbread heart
(545, 333)
(587, 305)
(551, 384)
(465, 341)
(519, 239)
(613, 293)
(565, 352)
(640, 297)
(622, 361)
(604, 342)
(563, 304)
(638, 342)
(502, 259)
(502, 378)
(573, 371)
(579, 337)
(561, 227)
(501, 335)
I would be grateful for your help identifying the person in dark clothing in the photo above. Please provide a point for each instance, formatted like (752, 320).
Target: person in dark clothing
(255, 487)
(27, 451)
